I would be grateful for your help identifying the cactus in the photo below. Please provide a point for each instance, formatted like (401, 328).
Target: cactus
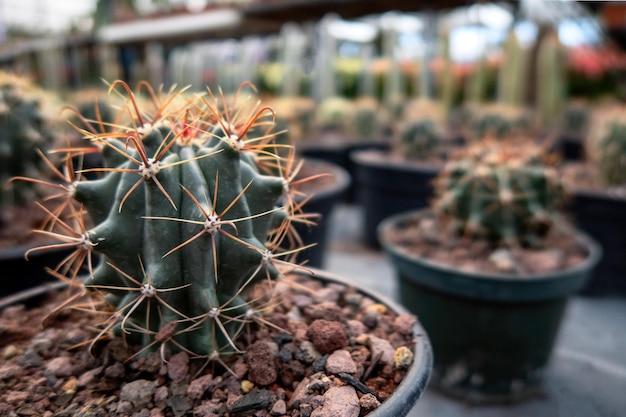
(186, 216)
(367, 118)
(334, 113)
(23, 131)
(505, 192)
(606, 146)
(551, 79)
(497, 120)
(575, 118)
(420, 133)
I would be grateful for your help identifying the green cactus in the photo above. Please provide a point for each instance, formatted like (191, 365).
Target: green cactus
(551, 79)
(334, 113)
(186, 216)
(606, 146)
(497, 120)
(366, 118)
(23, 131)
(575, 118)
(504, 192)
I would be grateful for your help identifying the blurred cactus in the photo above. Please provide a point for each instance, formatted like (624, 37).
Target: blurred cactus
(575, 118)
(186, 216)
(367, 118)
(334, 113)
(513, 73)
(551, 79)
(23, 132)
(497, 120)
(505, 192)
(606, 145)
(420, 133)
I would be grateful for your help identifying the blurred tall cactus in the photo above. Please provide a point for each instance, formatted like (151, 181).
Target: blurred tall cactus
(551, 79)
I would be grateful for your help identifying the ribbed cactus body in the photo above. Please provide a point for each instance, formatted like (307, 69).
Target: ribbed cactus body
(186, 217)
(500, 192)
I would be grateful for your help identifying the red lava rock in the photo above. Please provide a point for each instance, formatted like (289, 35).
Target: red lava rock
(327, 336)
(340, 361)
(178, 367)
(339, 401)
(403, 323)
(262, 369)
(60, 367)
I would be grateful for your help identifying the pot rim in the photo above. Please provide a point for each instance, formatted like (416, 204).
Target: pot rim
(342, 179)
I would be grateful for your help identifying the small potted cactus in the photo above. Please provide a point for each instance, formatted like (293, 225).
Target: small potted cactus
(488, 267)
(597, 184)
(196, 306)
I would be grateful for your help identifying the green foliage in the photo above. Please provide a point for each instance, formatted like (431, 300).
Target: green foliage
(187, 215)
(504, 192)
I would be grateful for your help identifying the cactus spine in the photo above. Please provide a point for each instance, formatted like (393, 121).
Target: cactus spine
(500, 191)
(186, 217)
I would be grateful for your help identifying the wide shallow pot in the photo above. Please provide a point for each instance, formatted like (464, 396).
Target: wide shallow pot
(387, 185)
(326, 192)
(337, 149)
(398, 404)
(492, 334)
(601, 215)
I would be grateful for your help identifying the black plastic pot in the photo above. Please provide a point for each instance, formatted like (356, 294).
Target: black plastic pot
(337, 150)
(322, 202)
(492, 334)
(20, 274)
(398, 404)
(570, 147)
(386, 185)
(602, 216)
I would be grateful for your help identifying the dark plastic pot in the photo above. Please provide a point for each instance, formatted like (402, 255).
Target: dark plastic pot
(602, 216)
(399, 404)
(570, 147)
(337, 150)
(386, 185)
(20, 274)
(492, 335)
(322, 202)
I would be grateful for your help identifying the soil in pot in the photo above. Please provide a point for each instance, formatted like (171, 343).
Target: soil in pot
(492, 315)
(324, 349)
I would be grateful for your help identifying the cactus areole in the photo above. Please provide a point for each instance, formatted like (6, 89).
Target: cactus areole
(187, 214)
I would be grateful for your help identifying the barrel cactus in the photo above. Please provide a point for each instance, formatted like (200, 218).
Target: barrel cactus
(186, 216)
(419, 135)
(505, 192)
